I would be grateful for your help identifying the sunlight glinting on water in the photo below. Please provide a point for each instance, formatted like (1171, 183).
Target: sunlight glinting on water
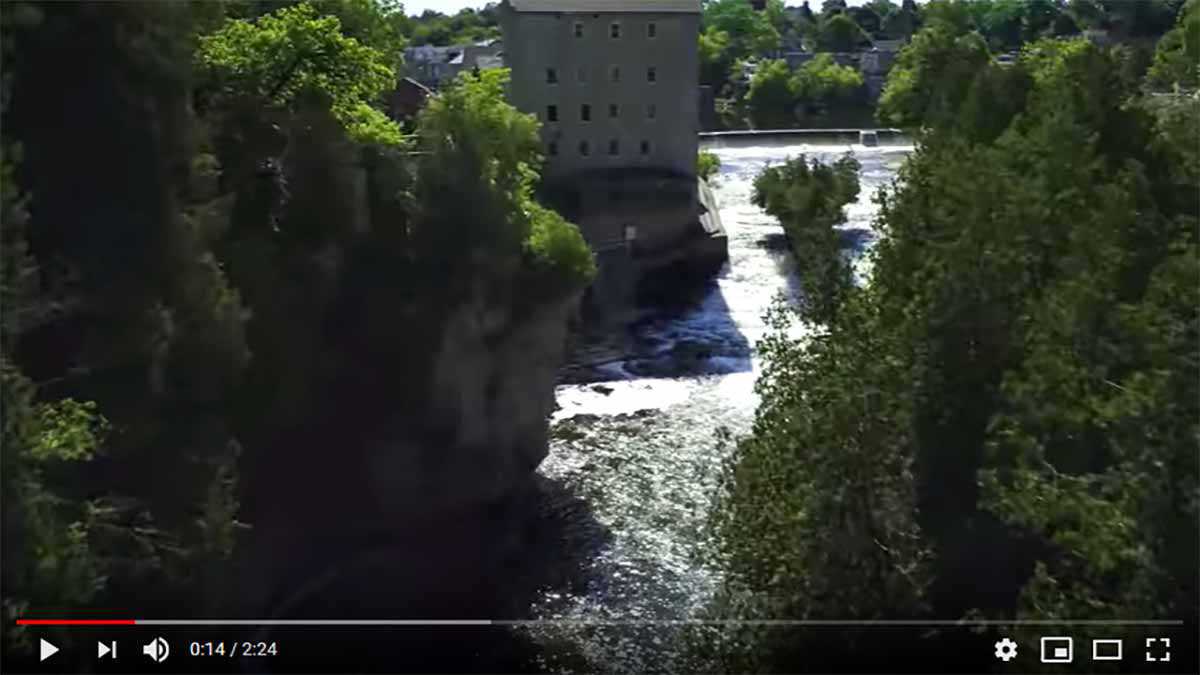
(649, 476)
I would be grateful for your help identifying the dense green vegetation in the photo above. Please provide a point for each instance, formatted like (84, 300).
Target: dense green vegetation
(734, 35)
(707, 164)
(808, 199)
(1003, 421)
(779, 96)
(466, 27)
(197, 198)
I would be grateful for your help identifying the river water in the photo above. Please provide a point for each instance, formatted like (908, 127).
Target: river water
(641, 444)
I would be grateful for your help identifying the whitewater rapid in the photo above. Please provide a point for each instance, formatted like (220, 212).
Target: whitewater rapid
(644, 452)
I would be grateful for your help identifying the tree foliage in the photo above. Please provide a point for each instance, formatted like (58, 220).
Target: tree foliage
(809, 198)
(932, 76)
(1003, 422)
(772, 96)
(228, 204)
(707, 165)
(840, 33)
(1177, 57)
(296, 54)
(822, 79)
(467, 26)
(732, 30)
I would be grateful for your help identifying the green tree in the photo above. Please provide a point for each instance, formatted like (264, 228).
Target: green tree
(1003, 422)
(809, 198)
(904, 23)
(294, 56)
(707, 165)
(772, 96)
(931, 77)
(823, 78)
(130, 314)
(1178, 53)
(839, 33)
(488, 153)
(715, 57)
(867, 19)
(378, 24)
(750, 32)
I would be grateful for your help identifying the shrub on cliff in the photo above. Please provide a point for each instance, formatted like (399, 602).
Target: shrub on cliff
(475, 186)
(809, 198)
(707, 164)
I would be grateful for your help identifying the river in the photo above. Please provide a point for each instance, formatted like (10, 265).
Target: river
(642, 448)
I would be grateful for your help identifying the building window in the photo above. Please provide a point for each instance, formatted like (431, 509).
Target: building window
(652, 74)
(614, 147)
(551, 76)
(645, 149)
(585, 112)
(614, 31)
(651, 30)
(584, 148)
(651, 111)
(552, 148)
(551, 113)
(581, 74)
(614, 73)
(614, 110)
(578, 29)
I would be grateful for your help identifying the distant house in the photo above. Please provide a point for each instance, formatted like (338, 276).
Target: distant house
(429, 65)
(436, 66)
(892, 46)
(408, 99)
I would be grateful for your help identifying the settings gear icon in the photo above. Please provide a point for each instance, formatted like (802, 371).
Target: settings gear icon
(1006, 650)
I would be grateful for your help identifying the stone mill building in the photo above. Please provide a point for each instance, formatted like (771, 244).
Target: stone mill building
(615, 86)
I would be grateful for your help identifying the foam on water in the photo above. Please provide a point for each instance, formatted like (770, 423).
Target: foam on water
(650, 478)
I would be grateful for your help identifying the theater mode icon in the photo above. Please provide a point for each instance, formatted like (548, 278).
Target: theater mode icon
(1106, 650)
(1058, 649)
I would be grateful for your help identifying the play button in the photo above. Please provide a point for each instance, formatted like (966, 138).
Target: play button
(47, 650)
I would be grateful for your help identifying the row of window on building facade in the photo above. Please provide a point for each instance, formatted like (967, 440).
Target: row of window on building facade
(585, 148)
(614, 74)
(581, 75)
(614, 30)
(585, 112)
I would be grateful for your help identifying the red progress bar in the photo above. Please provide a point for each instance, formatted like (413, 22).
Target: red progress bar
(76, 622)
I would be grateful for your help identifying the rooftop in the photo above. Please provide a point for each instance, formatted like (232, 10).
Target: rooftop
(607, 6)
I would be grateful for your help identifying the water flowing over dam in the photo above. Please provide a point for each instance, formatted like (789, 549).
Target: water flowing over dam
(639, 429)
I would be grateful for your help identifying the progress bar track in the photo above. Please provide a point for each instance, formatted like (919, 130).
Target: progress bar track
(589, 622)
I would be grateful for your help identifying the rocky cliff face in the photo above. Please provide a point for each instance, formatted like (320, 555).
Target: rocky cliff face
(432, 513)
(490, 394)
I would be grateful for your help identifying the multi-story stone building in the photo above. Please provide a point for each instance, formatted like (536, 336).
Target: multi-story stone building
(613, 81)
(615, 84)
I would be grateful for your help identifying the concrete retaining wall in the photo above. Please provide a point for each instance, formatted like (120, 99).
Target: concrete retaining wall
(747, 138)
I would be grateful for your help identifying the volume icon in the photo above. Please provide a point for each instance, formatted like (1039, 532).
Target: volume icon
(158, 650)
